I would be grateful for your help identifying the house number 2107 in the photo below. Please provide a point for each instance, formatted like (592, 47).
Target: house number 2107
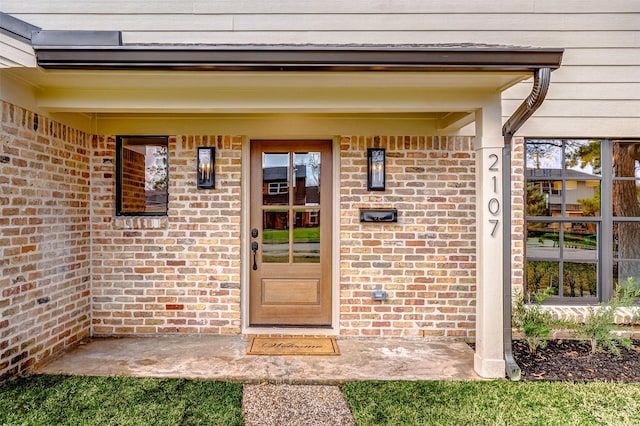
(493, 206)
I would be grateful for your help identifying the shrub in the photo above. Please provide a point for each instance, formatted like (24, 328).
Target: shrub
(534, 322)
(600, 324)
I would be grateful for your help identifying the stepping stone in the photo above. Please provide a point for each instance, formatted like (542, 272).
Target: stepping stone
(295, 405)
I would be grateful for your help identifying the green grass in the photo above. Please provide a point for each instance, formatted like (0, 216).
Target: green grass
(493, 403)
(300, 235)
(65, 400)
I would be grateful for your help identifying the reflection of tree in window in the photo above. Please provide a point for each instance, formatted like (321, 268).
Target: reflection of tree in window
(583, 155)
(156, 179)
(543, 155)
(591, 206)
(579, 279)
(626, 202)
(537, 203)
(542, 275)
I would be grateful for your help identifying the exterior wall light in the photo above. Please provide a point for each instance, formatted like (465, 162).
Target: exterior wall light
(206, 178)
(376, 169)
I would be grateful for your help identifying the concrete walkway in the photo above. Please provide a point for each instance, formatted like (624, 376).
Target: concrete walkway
(224, 358)
(268, 397)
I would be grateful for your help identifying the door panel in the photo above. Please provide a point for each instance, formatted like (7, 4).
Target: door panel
(290, 282)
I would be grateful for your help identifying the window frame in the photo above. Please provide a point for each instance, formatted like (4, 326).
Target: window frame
(601, 290)
(160, 140)
(277, 188)
(606, 257)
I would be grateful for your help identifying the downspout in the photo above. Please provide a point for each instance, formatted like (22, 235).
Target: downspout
(541, 80)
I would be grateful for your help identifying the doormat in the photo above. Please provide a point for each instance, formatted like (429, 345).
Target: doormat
(291, 345)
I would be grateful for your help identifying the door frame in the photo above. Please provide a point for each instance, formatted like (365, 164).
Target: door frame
(245, 252)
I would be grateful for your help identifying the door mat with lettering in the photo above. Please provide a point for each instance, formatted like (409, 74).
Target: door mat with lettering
(293, 346)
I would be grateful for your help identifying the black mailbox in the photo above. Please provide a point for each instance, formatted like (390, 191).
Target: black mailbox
(378, 215)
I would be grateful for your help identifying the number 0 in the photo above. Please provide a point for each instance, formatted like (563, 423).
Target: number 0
(494, 206)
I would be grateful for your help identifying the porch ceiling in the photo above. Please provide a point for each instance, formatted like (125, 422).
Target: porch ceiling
(448, 98)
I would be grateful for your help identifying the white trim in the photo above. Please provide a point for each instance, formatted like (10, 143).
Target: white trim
(245, 216)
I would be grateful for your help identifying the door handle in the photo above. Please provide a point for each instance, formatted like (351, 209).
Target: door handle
(254, 249)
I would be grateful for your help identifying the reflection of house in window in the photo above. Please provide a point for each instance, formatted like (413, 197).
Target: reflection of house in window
(276, 186)
(313, 218)
(579, 187)
(275, 220)
(307, 219)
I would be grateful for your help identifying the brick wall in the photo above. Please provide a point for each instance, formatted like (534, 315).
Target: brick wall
(179, 273)
(70, 266)
(517, 214)
(182, 273)
(133, 181)
(44, 238)
(426, 261)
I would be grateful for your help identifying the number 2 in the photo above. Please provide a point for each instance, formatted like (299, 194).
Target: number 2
(494, 166)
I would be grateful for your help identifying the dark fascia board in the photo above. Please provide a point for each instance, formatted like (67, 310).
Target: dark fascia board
(16, 28)
(104, 50)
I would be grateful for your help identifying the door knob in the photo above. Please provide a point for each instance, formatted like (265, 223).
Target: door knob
(254, 249)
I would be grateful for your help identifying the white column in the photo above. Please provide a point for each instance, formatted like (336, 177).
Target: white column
(490, 224)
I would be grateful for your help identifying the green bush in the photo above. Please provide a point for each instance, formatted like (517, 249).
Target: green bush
(533, 320)
(599, 326)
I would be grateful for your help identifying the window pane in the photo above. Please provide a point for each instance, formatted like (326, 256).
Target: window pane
(275, 236)
(275, 178)
(580, 241)
(582, 157)
(626, 240)
(626, 198)
(582, 198)
(544, 198)
(306, 237)
(541, 276)
(307, 181)
(143, 176)
(579, 279)
(543, 240)
(626, 159)
(627, 273)
(544, 158)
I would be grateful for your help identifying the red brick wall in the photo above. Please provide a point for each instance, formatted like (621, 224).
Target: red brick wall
(426, 261)
(173, 274)
(44, 238)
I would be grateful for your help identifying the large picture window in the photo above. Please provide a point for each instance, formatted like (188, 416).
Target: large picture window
(582, 217)
(142, 175)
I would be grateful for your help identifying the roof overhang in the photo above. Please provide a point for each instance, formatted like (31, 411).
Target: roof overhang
(105, 50)
(94, 71)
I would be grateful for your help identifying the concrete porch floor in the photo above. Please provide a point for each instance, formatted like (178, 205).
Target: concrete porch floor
(224, 358)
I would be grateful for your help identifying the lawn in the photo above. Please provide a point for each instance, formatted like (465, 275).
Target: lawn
(64, 400)
(493, 403)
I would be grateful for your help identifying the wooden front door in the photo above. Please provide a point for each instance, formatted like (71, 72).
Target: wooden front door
(290, 233)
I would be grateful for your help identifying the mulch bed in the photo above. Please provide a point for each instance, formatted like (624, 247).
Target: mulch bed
(573, 360)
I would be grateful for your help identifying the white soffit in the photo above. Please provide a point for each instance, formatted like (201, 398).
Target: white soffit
(143, 91)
